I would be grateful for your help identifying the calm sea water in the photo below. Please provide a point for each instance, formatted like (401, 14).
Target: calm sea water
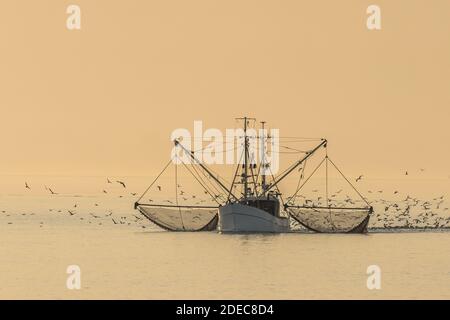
(120, 263)
(121, 256)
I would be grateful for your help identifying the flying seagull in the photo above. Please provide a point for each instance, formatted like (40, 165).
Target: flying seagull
(122, 183)
(359, 178)
(27, 186)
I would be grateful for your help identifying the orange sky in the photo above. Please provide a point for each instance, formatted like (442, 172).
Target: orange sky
(104, 100)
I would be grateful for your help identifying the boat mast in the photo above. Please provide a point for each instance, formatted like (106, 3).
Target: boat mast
(263, 159)
(245, 176)
(245, 157)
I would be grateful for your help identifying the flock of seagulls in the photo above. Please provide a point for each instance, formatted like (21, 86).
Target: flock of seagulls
(359, 178)
(412, 212)
(79, 211)
(409, 212)
(27, 186)
(399, 213)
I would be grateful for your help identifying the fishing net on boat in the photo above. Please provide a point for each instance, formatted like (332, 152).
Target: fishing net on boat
(330, 212)
(181, 218)
(332, 220)
(187, 200)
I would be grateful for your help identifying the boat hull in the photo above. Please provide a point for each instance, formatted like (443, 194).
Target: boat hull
(242, 218)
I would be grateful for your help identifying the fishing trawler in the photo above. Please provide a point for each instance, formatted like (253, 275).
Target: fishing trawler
(259, 205)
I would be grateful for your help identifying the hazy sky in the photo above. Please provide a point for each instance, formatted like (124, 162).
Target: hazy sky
(104, 100)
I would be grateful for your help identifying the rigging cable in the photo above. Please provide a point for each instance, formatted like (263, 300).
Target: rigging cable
(204, 187)
(253, 174)
(364, 199)
(212, 186)
(292, 166)
(326, 189)
(176, 194)
(234, 178)
(307, 179)
(278, 189)
(146, 190)
(302, 175)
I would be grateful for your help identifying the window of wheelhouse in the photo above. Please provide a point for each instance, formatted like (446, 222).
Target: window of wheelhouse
(266, 205)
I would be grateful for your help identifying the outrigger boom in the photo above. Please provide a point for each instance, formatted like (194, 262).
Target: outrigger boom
(296, 165)
(191, 154)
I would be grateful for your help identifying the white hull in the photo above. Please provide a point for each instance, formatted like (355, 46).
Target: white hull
(241, 218)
